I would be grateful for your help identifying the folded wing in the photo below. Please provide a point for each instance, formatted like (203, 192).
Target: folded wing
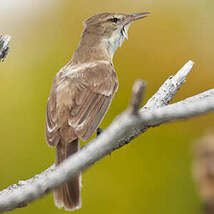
(79, 99)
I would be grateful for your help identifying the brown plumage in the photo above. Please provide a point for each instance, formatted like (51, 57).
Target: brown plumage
(77, 104)
(82, 92)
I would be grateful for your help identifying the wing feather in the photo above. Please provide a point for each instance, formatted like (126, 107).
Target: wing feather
(81, 96)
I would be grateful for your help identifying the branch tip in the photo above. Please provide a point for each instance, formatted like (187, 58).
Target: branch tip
(184, 71)
(137, 95)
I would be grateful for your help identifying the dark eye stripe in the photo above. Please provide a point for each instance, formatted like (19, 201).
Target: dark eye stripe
(115, 20)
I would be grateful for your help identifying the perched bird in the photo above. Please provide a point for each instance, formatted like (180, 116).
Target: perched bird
(82, 92)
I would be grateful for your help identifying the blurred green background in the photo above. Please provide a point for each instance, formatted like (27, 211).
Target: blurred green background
(153, 173)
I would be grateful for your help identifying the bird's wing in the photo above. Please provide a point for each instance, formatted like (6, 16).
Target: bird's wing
(51, 125)
(81, 96)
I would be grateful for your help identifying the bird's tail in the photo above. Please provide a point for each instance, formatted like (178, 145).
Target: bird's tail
(68, 195)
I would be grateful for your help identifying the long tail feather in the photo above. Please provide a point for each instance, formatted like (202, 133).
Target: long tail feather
(68, 195)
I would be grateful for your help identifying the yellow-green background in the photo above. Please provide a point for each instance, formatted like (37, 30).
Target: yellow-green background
(153, 173)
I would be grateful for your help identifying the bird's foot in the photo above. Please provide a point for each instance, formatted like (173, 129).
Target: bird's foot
(99, 131)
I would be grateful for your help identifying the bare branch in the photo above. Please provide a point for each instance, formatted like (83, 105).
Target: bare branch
(4, 46)
(123, 129)
(170, 87)
(201, 96)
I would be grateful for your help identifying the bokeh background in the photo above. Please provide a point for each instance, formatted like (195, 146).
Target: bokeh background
(153, 173)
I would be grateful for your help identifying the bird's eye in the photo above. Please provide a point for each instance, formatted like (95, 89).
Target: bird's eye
(115, 20)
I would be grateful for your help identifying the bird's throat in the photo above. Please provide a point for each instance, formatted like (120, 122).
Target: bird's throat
(116, 40)
(96, 47)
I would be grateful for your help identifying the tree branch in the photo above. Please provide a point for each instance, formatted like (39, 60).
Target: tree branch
(123, 129)
(4, 46)
(169, 88)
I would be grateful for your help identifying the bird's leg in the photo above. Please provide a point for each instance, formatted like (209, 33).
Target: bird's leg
(99, 131)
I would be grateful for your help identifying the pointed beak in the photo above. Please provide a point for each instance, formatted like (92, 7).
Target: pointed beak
(135, 16)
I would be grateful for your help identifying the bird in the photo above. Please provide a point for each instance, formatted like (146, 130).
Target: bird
(82, 92)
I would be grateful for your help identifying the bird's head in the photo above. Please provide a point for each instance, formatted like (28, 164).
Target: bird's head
(111, 28)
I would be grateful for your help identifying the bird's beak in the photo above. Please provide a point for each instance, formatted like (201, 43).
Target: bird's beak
(129, 19)
(135, 16)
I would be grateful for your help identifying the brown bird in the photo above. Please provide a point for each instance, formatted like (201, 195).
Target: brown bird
(82, 92)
